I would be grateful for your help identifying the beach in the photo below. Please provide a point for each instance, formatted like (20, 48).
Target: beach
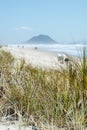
(35, 57)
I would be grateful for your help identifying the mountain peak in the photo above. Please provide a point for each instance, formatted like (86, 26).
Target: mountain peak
(41, 39)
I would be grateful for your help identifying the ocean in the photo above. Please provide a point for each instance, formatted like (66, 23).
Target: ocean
(71, 49)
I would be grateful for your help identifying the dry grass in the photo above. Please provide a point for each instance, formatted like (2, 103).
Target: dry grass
(49, 97)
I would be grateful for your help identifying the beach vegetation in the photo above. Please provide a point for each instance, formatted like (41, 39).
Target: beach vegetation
(44, 98)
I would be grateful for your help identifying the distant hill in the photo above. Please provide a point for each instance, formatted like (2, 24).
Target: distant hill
(41, 39)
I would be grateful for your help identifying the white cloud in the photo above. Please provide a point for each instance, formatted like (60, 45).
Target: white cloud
(24, 28)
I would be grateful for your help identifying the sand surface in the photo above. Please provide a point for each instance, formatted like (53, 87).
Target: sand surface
(14, 127)
(35, 57)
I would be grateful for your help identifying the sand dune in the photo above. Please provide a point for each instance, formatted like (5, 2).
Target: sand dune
(37, 58)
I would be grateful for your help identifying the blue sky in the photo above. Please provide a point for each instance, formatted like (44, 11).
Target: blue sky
(63, 20)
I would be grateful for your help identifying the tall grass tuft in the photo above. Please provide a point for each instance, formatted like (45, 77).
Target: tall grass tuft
(47, 97)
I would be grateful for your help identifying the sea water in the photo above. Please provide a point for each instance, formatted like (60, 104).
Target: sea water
(71, 49)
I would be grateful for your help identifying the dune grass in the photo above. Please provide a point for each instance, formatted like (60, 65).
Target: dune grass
(48, 97)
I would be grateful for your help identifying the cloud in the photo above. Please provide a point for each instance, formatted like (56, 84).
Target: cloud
(24, 28)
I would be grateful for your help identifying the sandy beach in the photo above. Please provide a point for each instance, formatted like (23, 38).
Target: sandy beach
(36, 57)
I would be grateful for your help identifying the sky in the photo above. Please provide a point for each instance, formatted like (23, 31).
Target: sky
(63, 20)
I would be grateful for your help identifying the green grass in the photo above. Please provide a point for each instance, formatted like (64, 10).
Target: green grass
(50, 97)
